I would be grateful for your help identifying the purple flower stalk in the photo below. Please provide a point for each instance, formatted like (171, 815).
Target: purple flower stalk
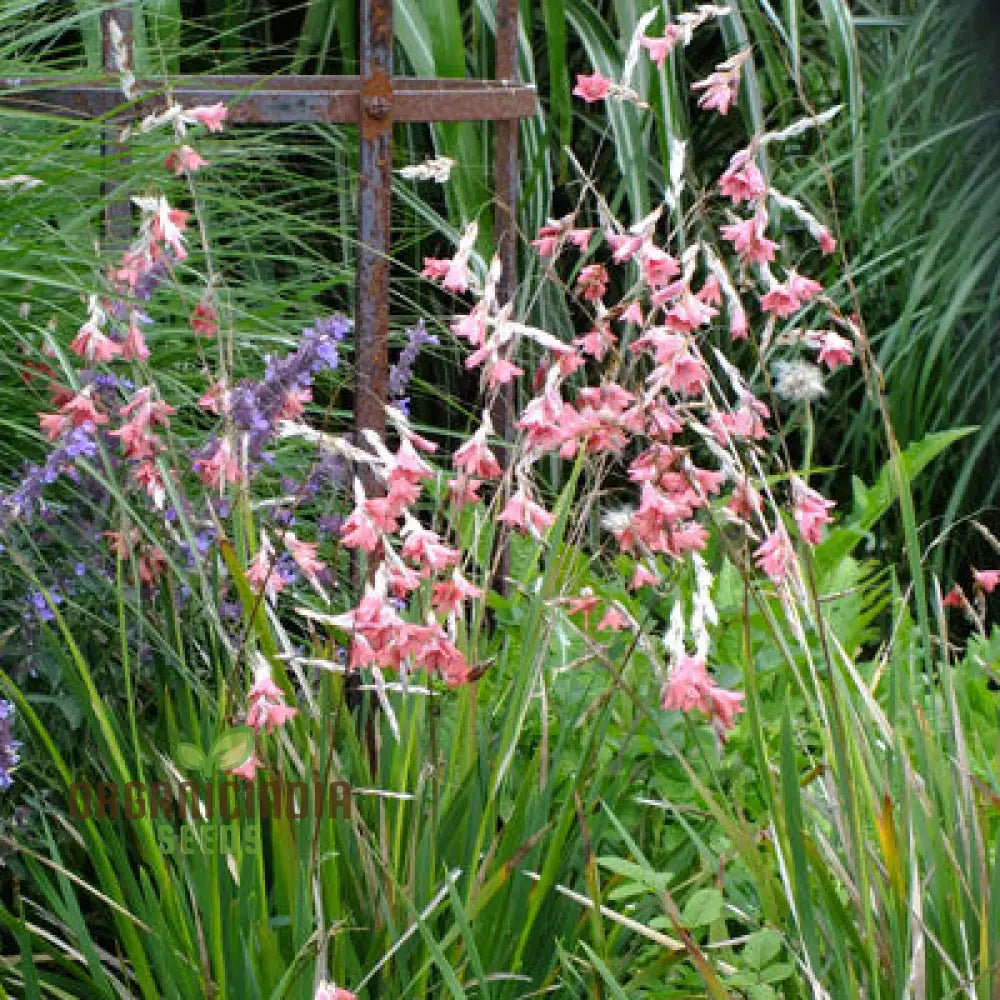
(255, 406)
(9, 757)
(25, 499)
(402, 371)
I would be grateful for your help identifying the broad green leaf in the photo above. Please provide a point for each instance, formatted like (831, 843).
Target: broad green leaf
(762, 948)
(703, 908)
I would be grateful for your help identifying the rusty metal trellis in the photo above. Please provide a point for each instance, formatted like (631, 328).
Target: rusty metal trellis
(374, 100)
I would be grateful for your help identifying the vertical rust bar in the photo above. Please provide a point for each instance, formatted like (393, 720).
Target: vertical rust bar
(371, 356)
(506, 175)
(506, 178)
(117, 212)
(372, 323)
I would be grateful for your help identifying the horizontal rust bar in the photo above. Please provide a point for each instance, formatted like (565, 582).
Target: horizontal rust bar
(280, 100)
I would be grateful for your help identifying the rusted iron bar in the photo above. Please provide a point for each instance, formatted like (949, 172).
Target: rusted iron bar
(377, 107)
(278, 100)
(117, 211)
(506, 175)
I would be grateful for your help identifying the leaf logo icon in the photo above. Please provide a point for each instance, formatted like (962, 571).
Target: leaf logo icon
(231, 749)
(189, 757)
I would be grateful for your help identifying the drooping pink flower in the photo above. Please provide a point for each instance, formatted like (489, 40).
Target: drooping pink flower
(786, 299)
(437, 654)
(151, 564)
(267, 706)
(657, 266)
(93, 345)
(403, 579)
(781, 302)
(219, 467)
(204, 321)
(748, 239)
(81, 410)
(425, 549)
(711, 292)
(211, 116)
(139, 444)
(632, 314)
(592, 282)
(742, 180)
(955, 598)
(613, 621)
(147, 411)
(147, 477)
(500, 371)
(660, 48)
(824, 237)
(448, 596)
(435, 268)
(214, 398)
(248, 769)
(738, 327)
(134, 347)
(523, 513)
(624, 247)
(690, 688)
(185, 160)
(464, 490)
(594, 87)
(408, 466)
(643, 577)
(304, 554)
(53, 424)
(474, 458)
(549, 239)
(986, 579)
(721, 91)
(122, 543)
(359, 531)
(456, 277)
(688, 313)
(584, 604)
(775, 555)
(810, 511)
(472, 326)
(597, 343)
(743, 423)
(330, 991)
(834, 350)
(168, 226)
(580, 238)
(687, 685)
(724, 706)
(802, 287)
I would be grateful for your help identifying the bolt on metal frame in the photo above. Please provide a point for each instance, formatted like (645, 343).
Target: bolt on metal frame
(375, 100)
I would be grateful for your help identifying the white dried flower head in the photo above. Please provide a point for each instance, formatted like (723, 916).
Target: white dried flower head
(802, 125)
(437, 169)
(678, 158)
(673, 640)
(703, 612)
(798, 381)
(616, 521)
(24, 181)
(120, 59)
